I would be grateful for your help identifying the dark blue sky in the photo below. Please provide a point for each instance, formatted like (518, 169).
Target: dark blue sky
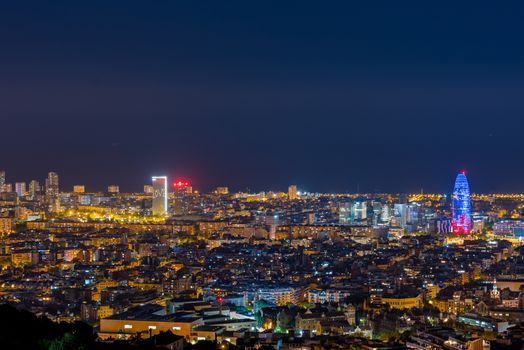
(391, 95)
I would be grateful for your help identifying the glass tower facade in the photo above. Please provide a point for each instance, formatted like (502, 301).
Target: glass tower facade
(461, 206)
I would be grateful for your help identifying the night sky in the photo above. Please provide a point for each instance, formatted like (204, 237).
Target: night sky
(388, 96)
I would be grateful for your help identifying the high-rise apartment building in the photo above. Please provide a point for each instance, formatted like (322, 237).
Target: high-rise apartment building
(34, 189)
(52, 192)
(20, 189)
(2, 181)
(52, 185)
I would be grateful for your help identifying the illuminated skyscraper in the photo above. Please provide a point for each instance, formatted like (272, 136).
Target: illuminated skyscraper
(385, 214)
(160, 195)
(20, 189)
(401, 214)
(52, 192)
(360, 209)
(461, 206)
(34, 189)
(51, 185)
(2, 181)
(345, 213)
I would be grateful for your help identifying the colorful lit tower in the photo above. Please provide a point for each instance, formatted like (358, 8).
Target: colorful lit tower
(461, 206)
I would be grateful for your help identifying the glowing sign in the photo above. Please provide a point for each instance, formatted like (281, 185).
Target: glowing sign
(181, 184)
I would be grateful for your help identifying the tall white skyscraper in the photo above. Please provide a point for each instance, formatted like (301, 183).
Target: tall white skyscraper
(160, 207)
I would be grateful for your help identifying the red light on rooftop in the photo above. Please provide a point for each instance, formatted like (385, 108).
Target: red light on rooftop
(181, 184)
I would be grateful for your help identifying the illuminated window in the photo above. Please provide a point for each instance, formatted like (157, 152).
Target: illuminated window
(152, 327)
(128, 326)
(176, 328)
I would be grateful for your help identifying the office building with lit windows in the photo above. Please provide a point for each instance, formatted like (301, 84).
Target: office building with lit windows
(360, 209)
(34, 189)
(345, 213)
(20, 189)
(52, 192)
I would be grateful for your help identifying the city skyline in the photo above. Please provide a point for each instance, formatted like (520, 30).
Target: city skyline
(176, 182)
(273, 175)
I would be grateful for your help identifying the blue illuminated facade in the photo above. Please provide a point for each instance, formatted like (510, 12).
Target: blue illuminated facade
(461, 206)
